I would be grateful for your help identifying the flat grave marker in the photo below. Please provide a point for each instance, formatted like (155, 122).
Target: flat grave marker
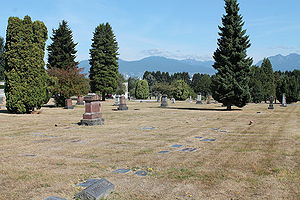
(141, 173)
(121, 171)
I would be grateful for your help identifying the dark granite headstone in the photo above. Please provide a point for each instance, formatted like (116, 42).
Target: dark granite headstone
(92, 115)
(162, 152)
(141, 173)
(68, 104)
(188, 149)
(122, 105)
(54, 198)
(164, 101)
(271, 106)
(96, 191)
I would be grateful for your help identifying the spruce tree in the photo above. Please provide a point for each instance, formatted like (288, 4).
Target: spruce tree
(230, 84)
(268, 79)
(25, 75)
(104, 61)
(1, 59)
(61, 53)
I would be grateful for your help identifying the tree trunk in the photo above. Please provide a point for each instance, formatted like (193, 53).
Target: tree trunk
(228, 107)
(103, 96)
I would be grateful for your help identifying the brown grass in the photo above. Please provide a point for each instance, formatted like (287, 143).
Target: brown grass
(258, 161)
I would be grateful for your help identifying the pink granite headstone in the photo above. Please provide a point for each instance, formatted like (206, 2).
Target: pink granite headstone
(92, 115)
(68, 104)
(80, 100)
(122, 105)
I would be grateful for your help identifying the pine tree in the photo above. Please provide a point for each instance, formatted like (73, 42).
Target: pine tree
(25, 75)
(268, 79)
(230, 84)
(61, 53)
(104, 61)
(255, 84)
(1, 59)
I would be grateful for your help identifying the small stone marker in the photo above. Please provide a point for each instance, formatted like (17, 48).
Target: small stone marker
(141, 173)
(148, 128)
(98, 190)
(117, 100)
(271, 106)
(188, 149)
(177, 145)
(209, 99)
(88, 183)
(80, 100)
(162, 152)
(92, 115)
(54, 198)
(164, 101)
(190, 99)
(173, 100)
(208, 140)
(68, 104)
(198, 137)
(122, 105)
(199, 99)
(283, 103)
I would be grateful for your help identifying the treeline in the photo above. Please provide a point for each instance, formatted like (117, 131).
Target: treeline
(28, 84)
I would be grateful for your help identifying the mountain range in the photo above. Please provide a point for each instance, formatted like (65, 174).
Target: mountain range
(158, 63)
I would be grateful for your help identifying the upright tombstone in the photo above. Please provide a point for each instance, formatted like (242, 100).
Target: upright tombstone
(199, 100)
(126, 90)
(117, 100)
(158, 97)
(92, 115)
(209, 97)
(164, 101)
(80, 100)
(68, 104)
(190, 99)
(173, 100)
(271, 105)
(122, 105)
(283, 103)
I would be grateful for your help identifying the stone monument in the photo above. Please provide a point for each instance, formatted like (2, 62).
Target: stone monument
(96, 191)
(199, 99)
(271, 106)
(122, 105)
(92, 115)
(173, 100)
(164, 101)
(283, 103)
(117, 100)
(80, 100)
(68, 104)
(209, 99)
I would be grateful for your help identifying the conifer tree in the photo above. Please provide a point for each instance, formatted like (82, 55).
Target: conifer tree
(141, 89)
(1, 58)
(25, 75)
(104, 61)
(230, 84)
(268, 79)
(62, 52)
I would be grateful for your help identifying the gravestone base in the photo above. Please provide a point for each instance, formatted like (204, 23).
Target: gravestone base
(122, 107)
(69, 107)
(271, 107)
(92, 122)
(199, 102)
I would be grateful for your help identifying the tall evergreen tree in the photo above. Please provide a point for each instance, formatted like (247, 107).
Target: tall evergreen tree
(25, 75)
(201, 83)
(255, 84)
(104, 61)
(61, 53)
(268, 79)
(230, 84)
(1, 59)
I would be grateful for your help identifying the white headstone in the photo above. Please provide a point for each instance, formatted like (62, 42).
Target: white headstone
(283, 103)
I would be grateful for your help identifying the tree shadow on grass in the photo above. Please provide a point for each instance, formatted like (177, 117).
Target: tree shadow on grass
(201, 109)
(4, 112)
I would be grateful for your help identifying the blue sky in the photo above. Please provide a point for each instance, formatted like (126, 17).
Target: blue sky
(173, 28)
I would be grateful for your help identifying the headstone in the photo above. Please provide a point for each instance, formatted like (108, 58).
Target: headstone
(54, 198)
(158, 97)
(122, 105)
(126, 90)
(271, 106)
(80, 100)
(98, 190)
(68, 104)
(209, 98)
(283, 103)
(199, 100)
(190, 99)
(117, 100)
(173, 100)
(92, 115)
(164, 101)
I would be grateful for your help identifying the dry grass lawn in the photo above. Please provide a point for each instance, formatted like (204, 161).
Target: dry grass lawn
(258, 161)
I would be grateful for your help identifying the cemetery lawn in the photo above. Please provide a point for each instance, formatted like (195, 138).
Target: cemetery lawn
(47, 154)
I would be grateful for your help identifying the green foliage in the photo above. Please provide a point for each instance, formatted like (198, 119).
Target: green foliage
(201, 83)
(181, 76)
(131, 85)
(2, 62)
(104, 61)
(230, 84)
(268, 79)
(61, 53)
(142, 89)
(181, 90)
(256, 84)
(121, 87)
(25, 75)
(163, 88)
(288, 83)
(66, 83)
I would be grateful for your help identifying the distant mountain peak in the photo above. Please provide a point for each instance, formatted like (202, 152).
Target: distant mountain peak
(284, 63)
